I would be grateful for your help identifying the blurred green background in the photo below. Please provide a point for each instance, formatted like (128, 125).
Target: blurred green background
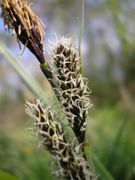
(108, 54)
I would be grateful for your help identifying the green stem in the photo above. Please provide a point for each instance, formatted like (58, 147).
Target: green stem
(80, 37)
(48, 74)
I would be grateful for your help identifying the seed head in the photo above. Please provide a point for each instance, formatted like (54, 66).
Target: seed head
(19, 17)
(71, 86)
(68, 157)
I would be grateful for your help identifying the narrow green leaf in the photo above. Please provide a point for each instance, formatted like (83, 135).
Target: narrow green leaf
(80, 37)
(101, 171)
(99, 167)
(26, 77)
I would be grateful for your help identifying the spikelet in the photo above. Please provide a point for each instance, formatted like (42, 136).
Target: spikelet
(71, 86)
(19, 17)
(67, 155)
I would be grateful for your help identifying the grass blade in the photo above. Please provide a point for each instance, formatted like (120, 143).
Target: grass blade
(26, 77)
(100, 169)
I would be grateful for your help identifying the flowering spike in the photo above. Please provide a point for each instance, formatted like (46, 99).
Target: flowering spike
(68, 157)
(71, 85)
(18, 16)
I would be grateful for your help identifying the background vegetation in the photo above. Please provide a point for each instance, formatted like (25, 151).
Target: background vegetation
(108, 49)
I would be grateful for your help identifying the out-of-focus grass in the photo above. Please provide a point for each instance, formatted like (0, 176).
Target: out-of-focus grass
(24, 160)
(6, 176)
(19, 152)
(102, 131)
(20, 155)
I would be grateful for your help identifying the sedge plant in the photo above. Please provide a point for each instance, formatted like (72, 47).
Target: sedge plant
(70, 87)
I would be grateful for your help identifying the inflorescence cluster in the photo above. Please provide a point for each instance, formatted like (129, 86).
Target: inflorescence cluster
(70, 87)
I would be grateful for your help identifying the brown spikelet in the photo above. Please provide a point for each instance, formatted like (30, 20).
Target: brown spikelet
(71, 85)
(67, 155)
(19, 17)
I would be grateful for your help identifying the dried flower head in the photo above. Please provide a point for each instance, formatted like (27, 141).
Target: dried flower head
(71, 86)
(18, 16)
(68, 156)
